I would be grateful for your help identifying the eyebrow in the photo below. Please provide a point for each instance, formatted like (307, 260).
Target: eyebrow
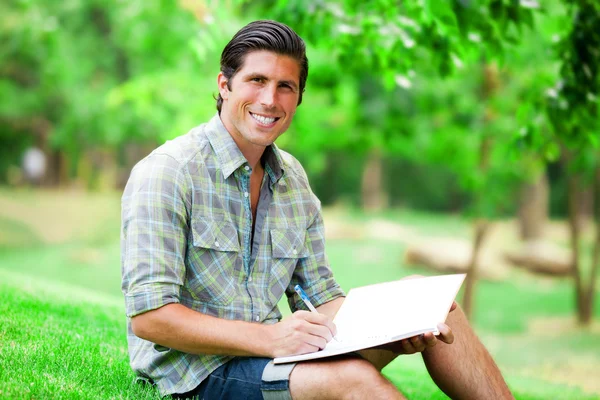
(252, 75)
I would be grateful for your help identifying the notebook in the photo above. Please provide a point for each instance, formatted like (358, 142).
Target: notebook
(387, 312)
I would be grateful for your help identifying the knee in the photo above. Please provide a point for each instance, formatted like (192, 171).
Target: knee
(457, 316)
(357, 374)
(340, 379)
(414, 276)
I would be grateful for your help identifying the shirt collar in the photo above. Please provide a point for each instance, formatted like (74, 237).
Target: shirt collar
(231, 158)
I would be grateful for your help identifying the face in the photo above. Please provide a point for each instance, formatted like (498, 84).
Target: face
(262, 100)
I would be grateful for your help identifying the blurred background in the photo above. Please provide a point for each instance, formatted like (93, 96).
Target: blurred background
(440, 136)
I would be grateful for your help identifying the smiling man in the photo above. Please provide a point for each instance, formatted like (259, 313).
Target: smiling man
(219, 224)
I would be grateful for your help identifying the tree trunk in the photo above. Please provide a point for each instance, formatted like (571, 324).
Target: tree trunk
(533, 207)
(587, 309)
(56, 169)
(373, 196)
(490, 87)
(575, 239)
(481, 229)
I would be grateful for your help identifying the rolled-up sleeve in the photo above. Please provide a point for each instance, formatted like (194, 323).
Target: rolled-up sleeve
(313, 273)
(154, 228)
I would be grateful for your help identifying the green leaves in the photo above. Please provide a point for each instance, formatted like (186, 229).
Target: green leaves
(573, 109)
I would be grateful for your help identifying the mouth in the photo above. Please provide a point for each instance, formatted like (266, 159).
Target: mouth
(264, 120)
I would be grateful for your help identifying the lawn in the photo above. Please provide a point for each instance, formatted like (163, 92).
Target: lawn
(62, 326)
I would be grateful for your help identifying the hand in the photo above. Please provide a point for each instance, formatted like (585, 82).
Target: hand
(300, 333)
(420, 343)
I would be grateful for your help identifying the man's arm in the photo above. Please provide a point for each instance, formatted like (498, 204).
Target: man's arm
(178, 327)
(331, 308)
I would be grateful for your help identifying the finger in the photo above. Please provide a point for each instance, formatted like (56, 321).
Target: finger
(418, 343)
(317, 319)
(407, 346)
(429, 339)
(453, 307)
(308, 327)
(306, 346)
(315, 341)
(446, 334)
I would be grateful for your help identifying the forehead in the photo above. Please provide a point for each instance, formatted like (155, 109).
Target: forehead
(272, 65)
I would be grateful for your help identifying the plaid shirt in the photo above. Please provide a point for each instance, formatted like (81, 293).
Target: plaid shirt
(186, 238)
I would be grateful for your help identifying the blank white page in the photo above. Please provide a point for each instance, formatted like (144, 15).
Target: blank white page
(385, 312)
(396, 308)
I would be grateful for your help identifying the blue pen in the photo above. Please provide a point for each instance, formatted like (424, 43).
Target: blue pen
(304, 298)
(306, 301)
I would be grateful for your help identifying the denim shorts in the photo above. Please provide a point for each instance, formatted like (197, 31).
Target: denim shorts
(248, 378)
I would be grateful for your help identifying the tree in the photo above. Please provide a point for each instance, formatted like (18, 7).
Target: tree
(84, 76)
(572, 108)
(393, 39)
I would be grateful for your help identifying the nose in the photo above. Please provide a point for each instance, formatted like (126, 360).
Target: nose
(267, 96)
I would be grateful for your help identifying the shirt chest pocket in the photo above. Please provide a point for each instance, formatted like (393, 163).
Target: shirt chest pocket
(288, 247)
(213, 262)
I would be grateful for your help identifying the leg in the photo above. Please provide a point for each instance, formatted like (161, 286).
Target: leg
(465, 369)
(340, 378)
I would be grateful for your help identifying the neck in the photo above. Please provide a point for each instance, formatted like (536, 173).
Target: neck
(252, 152)
(253, 155)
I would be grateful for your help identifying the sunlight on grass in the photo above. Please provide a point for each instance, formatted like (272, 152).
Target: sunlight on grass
(62, 323)
(59, 340)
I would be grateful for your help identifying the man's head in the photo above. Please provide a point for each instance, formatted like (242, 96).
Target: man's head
(263, 35)
(263, 73)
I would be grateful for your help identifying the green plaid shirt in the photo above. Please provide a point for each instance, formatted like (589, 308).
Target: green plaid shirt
(186, 238)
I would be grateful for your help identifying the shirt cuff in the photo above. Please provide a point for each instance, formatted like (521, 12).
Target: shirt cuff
(320, 293)
(150, 298)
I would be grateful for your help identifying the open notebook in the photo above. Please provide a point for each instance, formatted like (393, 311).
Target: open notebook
(386, 312)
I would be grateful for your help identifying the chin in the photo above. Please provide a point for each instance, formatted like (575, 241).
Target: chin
(263, 140)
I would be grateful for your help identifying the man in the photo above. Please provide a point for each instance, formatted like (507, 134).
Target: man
(219, 223)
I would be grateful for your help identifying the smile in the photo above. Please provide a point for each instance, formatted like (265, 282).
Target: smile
(261, 119)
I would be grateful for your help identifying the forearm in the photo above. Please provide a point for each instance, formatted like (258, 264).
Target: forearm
(331, 308)
(181, 328)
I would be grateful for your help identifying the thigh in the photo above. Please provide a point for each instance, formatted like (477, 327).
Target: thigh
(340, 377)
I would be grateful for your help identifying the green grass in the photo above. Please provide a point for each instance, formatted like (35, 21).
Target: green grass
(61, 342)
(62, 324)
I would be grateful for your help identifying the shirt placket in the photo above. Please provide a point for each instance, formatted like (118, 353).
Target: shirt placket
(247, 229)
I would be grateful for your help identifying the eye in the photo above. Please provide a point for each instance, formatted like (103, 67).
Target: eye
(285, 86)
(256, 79)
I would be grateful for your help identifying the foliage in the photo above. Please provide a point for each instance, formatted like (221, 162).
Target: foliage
(566, 99)
(389, 37)
(392, 51)
(92, 74)
(573, 104)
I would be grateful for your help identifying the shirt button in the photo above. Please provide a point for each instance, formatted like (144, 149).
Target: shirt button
(257, 318)
(249, 279)
(247, 168)
(217, 244)
(245, 194)
(295, 251)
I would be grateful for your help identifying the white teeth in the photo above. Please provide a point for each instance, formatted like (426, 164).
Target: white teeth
(263, 120)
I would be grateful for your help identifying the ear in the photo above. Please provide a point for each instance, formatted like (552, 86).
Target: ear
(222, 84)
